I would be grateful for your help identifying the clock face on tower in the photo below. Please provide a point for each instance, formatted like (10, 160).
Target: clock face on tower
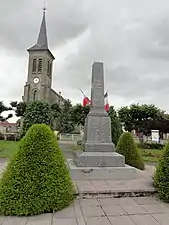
(36, 80)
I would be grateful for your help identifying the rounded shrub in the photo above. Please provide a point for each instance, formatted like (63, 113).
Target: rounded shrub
(36, 179)
(127, 147)
(161, 177)
(37, 112)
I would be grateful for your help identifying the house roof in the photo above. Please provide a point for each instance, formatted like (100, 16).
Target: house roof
(6, 124)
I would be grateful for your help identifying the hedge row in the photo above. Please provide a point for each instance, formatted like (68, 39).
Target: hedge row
(152, 145)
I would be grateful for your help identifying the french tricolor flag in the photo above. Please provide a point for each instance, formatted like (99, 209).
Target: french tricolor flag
(86, 101)
(106, 102)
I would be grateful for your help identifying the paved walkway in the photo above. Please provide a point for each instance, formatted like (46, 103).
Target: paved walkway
(142, 184)
(102, 211)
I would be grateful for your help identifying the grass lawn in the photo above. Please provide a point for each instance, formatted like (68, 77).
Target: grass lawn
(151, 155)
(8, 148)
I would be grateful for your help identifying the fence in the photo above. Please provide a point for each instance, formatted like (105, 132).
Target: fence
(70, 137)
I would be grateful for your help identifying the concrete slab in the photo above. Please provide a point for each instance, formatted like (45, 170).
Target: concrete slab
(144, 220)
(99, 159)
(101, 173)
(101, 211)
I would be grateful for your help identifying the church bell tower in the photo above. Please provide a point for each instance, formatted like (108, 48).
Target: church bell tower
(39, 78)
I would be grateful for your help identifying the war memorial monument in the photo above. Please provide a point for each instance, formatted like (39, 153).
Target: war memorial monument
(99, 159)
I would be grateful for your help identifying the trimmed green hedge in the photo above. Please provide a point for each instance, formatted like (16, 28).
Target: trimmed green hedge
(127, 147)
(36, 179)
(152, 145)
(161, 178)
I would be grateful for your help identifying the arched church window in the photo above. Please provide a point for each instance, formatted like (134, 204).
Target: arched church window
(40, 66)
(35, 95)
(34, 66)
(50, 73)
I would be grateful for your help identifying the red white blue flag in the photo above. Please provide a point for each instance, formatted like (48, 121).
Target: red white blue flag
(87, 101)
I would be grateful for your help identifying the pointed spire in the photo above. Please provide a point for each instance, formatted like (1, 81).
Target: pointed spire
(42, 42)
(42, 38)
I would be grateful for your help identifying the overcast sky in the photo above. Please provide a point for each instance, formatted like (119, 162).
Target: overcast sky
(131, 37)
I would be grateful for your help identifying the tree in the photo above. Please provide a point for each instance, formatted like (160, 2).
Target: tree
(36, 179)
(37, 112)
(116, 128)
(161, 178)
(139, 117)
(80, 113)
(18, 107)
(127, 147)
(64, 123)
(4, 108)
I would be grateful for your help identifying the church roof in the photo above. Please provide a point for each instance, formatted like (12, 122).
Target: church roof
(42, 41)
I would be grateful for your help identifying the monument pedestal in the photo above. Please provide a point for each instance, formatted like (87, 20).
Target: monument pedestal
(101, 173)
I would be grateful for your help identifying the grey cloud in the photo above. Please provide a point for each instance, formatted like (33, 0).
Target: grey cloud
(131, 37)
(20, 22)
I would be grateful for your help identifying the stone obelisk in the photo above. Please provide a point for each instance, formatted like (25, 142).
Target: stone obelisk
(98, 161)
(99, 151)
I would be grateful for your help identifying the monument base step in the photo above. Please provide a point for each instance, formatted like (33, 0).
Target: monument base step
(99, 147)
(101, 173)
(99, 159)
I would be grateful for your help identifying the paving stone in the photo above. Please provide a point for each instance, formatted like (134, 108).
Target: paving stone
(10, 220)
(101, 185)
(128, 202)
(146, 201)
(43, 219)
(68, 212)
(158, 208)
(39, 222)
(121, 220)
(143, 183)
(144, 220)
(163, 219)
(65, 222)
(98, 221)
(78, 213)
(134, 209)
(113, 210)
(2, 219)
(92, 211)
(85, 186)
(44, 216)
(89, 202)
(109, 201)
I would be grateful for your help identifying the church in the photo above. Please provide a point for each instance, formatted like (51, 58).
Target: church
(39, 79)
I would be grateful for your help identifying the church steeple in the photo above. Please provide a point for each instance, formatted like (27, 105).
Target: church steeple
(40, 65)
(42, 38)
(42, 41)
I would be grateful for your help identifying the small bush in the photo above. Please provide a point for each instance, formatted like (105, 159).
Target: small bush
(79, 142)
(81, 145)
(10, 137)
(161, 178)
(36, 179)
(127, 147)
(152, 145)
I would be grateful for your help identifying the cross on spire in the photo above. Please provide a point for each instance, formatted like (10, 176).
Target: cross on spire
(44, 7)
